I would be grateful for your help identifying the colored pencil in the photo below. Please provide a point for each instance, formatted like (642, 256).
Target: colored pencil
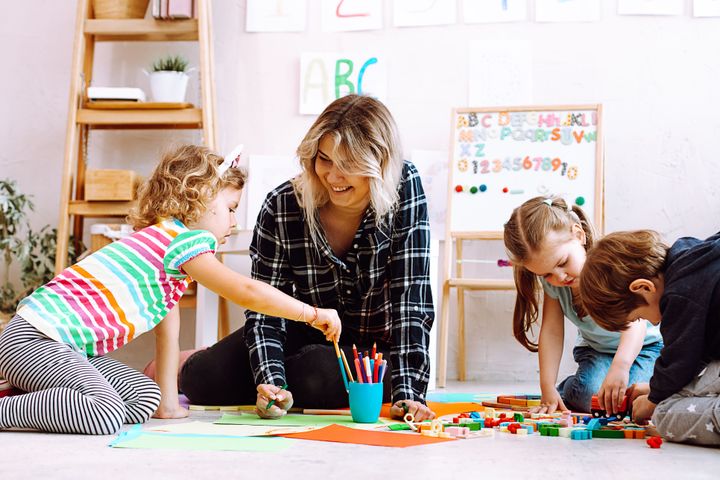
(376, 371)
(361, 359)
(355, 354)
(341, 365)
(359, 372)
(272, 401)
(322, 411)
(374, 351)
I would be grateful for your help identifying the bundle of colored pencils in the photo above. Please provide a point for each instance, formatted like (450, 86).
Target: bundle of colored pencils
(370, 368)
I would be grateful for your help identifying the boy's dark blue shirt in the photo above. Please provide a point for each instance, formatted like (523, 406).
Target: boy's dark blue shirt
(690, 307)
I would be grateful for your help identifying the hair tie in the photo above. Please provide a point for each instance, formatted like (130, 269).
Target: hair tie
(232, 160)
(548, 202)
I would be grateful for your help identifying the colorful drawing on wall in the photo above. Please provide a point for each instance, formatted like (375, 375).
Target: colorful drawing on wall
(651, 7)
(502, 157)
(275, 15)
(265, 173)
(706, 8)
(567, 10)
(411, 13)
(325, 77)
(432, 166)
(494, 11)
(500, 72)
(350, 15)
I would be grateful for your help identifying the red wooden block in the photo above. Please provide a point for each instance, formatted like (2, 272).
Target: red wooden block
(654, 442)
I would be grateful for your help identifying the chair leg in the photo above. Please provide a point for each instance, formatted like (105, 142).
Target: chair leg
(443, 336)
(461, 334)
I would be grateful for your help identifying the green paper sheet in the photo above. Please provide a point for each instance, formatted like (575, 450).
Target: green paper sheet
(171, 441)
(294, 420)
(224, 430)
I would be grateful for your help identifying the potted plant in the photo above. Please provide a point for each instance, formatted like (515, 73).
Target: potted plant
(34, 252)
(169, 79)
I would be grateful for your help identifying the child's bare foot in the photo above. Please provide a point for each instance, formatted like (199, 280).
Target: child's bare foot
(150, 367)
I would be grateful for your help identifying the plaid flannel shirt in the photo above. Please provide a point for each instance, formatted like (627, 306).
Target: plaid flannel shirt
(381, 288)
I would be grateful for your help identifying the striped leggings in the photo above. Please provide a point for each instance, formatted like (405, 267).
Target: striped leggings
(69, 393)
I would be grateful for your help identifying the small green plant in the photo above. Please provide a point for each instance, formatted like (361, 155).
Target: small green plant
(34, 252)
(171, 63)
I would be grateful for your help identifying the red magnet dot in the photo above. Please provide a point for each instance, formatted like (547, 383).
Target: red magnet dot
(506, 189)
(458, 188)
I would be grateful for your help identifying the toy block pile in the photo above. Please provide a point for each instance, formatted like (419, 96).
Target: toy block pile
(508, 418)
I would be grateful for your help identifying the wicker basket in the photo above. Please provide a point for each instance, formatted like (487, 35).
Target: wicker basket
(120, 8)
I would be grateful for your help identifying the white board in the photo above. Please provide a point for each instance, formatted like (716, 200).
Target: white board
(502, 157)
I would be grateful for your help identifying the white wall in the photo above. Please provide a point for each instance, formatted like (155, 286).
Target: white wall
(657, 78)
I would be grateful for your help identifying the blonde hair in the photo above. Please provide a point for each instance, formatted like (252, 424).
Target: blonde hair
(366, 143)
(523, 236)
(181, 186)
(611, 266)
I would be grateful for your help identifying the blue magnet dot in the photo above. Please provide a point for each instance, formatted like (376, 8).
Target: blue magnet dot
(483, 187)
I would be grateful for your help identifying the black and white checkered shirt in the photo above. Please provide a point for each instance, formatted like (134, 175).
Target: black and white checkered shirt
(381, 288)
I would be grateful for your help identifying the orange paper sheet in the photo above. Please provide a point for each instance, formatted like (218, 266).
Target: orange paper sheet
(342, 434)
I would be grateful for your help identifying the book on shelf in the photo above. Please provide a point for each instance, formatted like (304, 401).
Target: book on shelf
(116, 93)
(173, 9)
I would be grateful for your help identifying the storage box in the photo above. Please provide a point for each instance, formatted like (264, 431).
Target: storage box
(113, 185)
(119, 8)
(102, 234)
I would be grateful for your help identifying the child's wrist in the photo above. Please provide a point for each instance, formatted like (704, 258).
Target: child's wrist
(314, 317)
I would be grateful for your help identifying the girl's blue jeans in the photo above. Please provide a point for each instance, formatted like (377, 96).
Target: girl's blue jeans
(577, 390)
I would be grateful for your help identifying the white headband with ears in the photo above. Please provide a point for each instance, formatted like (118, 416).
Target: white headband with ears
(232, 160)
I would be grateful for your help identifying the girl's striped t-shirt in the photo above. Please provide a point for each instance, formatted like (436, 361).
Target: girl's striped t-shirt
(119, 292)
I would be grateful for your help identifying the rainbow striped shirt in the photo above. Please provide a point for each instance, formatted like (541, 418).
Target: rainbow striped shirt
(119, 292)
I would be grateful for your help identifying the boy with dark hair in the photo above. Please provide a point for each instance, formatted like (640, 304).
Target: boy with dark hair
(632, 275)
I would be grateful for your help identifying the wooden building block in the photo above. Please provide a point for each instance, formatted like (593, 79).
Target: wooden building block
(114, 185)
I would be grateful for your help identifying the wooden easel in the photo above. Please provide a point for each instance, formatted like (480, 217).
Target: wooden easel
(465, 221)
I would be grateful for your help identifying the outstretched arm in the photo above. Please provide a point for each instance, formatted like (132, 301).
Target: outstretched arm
(613, 389)
(550, 350)
(260, 297)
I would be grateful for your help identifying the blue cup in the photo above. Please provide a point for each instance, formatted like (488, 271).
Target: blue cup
(365, 401)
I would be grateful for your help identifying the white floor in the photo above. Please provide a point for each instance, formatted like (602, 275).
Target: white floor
(30, 455)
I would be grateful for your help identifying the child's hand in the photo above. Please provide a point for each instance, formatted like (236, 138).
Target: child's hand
(642, 410)
(328, 322)
(637, 389)
(420, 412)
(613, 389)
(283, 401)
(549, 403)
(170, 411)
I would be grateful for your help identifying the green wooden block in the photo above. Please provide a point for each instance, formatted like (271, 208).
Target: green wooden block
(608, 434)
